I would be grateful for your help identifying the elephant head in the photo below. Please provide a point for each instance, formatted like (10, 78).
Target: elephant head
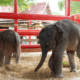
(49, 37)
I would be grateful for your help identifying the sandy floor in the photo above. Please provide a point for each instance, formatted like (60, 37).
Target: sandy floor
(25, 69)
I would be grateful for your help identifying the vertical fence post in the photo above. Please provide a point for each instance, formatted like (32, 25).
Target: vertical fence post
(15, 20)
(68, 14)
(65, 7)
(30, 29)
(73, 18)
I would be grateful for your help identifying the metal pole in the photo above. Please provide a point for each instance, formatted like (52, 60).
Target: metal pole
(33, 16)
(29, 29)
(65, 7)
(68, 8)
(15, 20)
(31, 46)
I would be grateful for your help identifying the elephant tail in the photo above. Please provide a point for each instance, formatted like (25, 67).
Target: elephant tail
(18, 48)
(18, 54)
(41, 61)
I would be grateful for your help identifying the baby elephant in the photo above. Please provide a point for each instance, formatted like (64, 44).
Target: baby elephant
(9, 43)
(60, 36)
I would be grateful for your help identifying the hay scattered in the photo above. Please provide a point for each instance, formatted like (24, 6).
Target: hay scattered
(25, 69)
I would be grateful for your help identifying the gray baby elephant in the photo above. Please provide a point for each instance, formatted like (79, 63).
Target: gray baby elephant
(9, 43)
(60, 36)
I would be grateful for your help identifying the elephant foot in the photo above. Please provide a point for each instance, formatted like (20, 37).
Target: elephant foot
(1, 65)
(73, 70)
(52, 74)
(59, 76)
(7, 63)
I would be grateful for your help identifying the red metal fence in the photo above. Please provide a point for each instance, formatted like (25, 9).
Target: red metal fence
(17, 16)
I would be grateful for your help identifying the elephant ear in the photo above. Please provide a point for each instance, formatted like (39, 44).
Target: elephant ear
(59, 29)
(58, 26)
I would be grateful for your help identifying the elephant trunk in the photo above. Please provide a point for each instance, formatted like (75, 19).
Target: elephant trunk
(44, 54)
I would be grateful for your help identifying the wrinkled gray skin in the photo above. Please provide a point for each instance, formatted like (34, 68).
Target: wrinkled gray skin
(60, 36)
(9, 43)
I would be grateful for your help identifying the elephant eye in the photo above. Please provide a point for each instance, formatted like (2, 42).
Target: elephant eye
(47, 43)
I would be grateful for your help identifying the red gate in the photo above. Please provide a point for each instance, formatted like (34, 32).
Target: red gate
(17, 16)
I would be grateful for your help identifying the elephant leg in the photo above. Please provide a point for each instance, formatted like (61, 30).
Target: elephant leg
(59, 57)
(52, 63)
(1, 58)
(7, 58)
(78, 50)
(71, 60)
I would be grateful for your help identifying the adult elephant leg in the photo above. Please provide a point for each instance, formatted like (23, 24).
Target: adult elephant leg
(59, 57)
(1, 54)
(7, 59)
(1, 58)
(78, 50)
(7, 56)
(71, 60)
(52, 63)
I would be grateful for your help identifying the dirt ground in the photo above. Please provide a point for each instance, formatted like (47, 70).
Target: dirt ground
(28, 62)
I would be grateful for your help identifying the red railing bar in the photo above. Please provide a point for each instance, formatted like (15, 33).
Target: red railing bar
(75, 15)
(31, 46)
(77, 19)
(75, 0)
(21, 30)
(26, 32)
(32, 16)
(32, 33)
(3, 29)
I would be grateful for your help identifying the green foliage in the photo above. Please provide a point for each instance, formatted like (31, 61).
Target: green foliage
(22, 4)
(74, 6)
(64, 63)
(61, 5)
(6, 2)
